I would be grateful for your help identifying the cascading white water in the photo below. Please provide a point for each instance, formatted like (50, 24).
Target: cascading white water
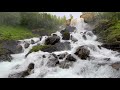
(80, 69)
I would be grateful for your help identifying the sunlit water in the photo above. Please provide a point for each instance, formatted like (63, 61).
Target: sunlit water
(80, 69)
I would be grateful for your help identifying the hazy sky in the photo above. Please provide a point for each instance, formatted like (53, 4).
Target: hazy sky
(67, 14)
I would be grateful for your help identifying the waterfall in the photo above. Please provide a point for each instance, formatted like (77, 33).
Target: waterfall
(96, 67)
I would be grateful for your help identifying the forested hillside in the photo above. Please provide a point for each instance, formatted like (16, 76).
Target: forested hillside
(20, 25)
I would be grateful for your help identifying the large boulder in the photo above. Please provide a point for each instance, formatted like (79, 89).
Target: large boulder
(82, 52)
(23, 73)
(63, 46)
(13, 46)
(44, 48)
(66, 32)
(53, 61)
(65, 35)
(50, 48)
(5, 55)
(52, 40)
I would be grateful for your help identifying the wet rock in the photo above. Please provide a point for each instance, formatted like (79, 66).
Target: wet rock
(70, 58)
(112, 46)
(84, 37)
(66, 36)
(50, 48)
(5, 55)
(63, 46)
(19, 49)
(53, 61)
(99, 46)
(40, 38)
(116, 65)
(106, 59)
(12, 46)
(32, 41)
(52, 40)
(54, 55)
(23, 73)
(65, 64)
(82, 52)
(31, 66)
(16, 75)
(61, 56)
(58, 47)
(26, 45)
(44, 56)
(44, 48)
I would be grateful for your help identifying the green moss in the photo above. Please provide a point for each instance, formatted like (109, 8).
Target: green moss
(39, 47)
(66, 35)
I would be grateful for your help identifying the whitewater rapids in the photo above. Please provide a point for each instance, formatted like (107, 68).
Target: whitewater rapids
(80, 68)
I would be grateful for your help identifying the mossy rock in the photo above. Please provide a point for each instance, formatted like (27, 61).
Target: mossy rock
(11, 45)
(44, 48)
(40, 47)
(52, 40)
(66, 35)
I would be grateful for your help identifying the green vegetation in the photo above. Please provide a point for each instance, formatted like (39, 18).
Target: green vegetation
(14, 33)
(114, 33)
(108, 26)
(20, 25)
